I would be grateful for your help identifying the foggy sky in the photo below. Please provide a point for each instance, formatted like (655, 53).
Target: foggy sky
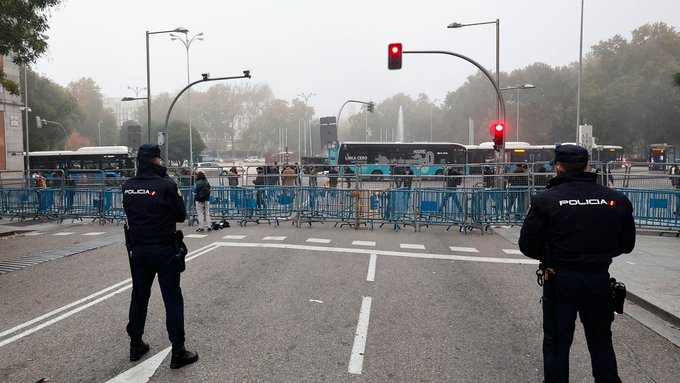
(335, 49)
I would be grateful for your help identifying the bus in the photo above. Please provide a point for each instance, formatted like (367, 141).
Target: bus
(515, 153)
(380, 158)
(112, 163)
(662, 154)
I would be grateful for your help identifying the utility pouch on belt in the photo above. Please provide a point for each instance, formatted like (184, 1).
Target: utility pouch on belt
(618, 291)
(129, 242)
(182, 251)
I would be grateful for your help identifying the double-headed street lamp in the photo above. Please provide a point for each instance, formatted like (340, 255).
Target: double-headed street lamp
(187, 43)
(517, 88)
(498, 39)
(148, 78)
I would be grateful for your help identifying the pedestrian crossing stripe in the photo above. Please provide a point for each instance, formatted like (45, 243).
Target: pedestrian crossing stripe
(412, 246)
(273, 238)
(195, 236)
(318, 240)
(363, 243)
(464, 249)
(95, 233)
(234, 236)
(64, 233)
(512, 251)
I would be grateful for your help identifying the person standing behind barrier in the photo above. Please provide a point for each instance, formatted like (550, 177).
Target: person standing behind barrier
(408, 177)
(333, 177)
(260, 182)
(273, 174)
(518, 181)
(288, 176)
(575, 228)
(349, 174)
(202, 202)
(311, 172)
(153, 204)
(675, 181)
(452, 180)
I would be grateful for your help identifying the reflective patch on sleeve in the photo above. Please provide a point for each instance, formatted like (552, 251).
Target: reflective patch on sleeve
(179, 193)
(612, 203)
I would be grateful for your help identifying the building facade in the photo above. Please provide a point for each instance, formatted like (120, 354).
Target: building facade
(11, 124)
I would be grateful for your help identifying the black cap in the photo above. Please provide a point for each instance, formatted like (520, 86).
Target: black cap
(570, 154)
(149, 151)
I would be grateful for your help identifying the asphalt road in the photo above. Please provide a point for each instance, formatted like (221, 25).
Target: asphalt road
(280, 304)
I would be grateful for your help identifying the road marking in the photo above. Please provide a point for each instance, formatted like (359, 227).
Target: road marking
(353, 250)
(512, 251)
(318, 240)
(629, 262)
(315, 301)
(142, 372)
(34, 233)
(464, 249)
(64, 233)
(356, 359)
(363, 243)
(234, 236)
(371, 267)
(273, 238)
(195, 235)
(95, 233)
(411, 246)
(126, 283)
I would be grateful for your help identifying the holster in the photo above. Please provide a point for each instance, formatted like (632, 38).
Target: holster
(618, 291)
(181, 251)
(129, 240)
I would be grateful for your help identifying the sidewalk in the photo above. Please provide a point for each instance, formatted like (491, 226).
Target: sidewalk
(651, 272)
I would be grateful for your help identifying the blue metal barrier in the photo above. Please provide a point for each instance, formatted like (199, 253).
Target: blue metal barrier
(655, 208)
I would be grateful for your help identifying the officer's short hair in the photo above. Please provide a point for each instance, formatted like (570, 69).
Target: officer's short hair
(148, 152)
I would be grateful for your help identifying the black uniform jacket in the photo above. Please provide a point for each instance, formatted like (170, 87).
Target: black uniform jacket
(152, 204)
(578, 222)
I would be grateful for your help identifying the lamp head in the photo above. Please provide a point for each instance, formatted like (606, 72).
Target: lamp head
(181, 30)
(455, 25)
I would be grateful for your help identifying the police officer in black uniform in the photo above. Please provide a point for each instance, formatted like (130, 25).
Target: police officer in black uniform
(153, 204)
(575, 228)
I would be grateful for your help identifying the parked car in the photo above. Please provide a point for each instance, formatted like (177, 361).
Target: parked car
(211, 169)
(254, 159)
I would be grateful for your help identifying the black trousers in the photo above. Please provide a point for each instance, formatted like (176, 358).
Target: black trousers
(146, 263)
(587, 293)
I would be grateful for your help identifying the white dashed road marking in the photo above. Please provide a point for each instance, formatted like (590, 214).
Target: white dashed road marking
(195, 236)
(273, 238)
(356, 359)
(512, 251)
(95, 233)
(363, 243)
(64, 233)
(464, 249)
(234, 236)
(35, 233)
(318, 240)
(370, 277)
(412, 246)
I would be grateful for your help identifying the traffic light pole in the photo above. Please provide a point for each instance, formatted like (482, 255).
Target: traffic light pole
(500, 102)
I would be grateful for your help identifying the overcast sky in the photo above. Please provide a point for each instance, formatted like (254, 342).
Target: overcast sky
(334, 49)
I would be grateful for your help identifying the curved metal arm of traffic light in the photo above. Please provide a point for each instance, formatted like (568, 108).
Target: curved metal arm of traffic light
(475, 63)
(337, 121)
(246, 74)
(67, 146)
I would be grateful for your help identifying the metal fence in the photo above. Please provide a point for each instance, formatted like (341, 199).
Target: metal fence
(475, 202)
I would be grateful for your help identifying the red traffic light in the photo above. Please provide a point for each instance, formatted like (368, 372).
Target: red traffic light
(498, 134)
(394, 56)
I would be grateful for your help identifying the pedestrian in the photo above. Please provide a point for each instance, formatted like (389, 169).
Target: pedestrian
(349, 174)
(575, 228)
(260, 182)
(202, 202)
(518, 181)
(153, 204)
(232, 176)
(408, 177)
(452, 181)
(288, 176)
(333, 177)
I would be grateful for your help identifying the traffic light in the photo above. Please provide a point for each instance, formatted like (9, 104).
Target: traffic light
(38, 122)
(370, 106)
(498, 133)
(394, 56)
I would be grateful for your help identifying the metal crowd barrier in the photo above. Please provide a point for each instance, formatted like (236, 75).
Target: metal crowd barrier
(476, 202)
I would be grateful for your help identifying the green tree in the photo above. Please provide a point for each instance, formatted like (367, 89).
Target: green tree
(676, 79)
(22, 27)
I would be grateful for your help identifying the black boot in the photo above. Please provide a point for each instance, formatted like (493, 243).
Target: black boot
(181, 357)
(138, 348)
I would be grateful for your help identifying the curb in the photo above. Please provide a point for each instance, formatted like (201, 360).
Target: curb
(654, 309)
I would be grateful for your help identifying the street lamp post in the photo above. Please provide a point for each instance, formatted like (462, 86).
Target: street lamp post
(498, 44)
(206, 77)
(148, 78)
(41, 121)
(580, 68)
(187, 43)
(517, 88)
(100, 132)
(307, 96)
(432, 107)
